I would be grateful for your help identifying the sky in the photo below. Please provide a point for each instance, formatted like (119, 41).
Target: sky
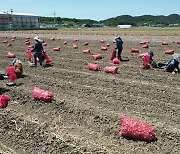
(91, 9)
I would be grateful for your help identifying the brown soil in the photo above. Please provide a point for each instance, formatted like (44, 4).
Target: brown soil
(85, 115)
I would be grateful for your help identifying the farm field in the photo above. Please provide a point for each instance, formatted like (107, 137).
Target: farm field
(85, 115)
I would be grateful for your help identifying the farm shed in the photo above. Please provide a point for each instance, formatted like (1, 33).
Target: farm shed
(124, 26)
(18, 21)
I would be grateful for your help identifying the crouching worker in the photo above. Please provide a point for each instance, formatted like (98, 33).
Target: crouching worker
(172, 65)
(14, 71)
(152, 62)
(18, 67)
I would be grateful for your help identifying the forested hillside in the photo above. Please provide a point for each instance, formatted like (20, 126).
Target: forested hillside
(119, 20)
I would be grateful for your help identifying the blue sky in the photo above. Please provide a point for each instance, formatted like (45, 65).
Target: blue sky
(92, 9)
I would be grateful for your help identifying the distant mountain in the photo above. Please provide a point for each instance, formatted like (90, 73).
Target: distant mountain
(144, 20)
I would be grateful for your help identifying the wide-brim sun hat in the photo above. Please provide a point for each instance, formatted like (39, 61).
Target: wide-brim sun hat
(37, 38)
(176, 56)
(18, 61)
(117, 37)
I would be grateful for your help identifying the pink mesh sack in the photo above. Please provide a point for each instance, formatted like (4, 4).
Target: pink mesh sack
(141, 55)
(111, 69)
(93, 67)
(145, 46)
(48, 59)
(164, 43)
(56, 49)
(75, 46)
(116, 61)
(146, 61)
(134, 50)
(86, 51)
(86, 43)
(134, 129)
(113, 54)
(29, 55)
(11, 73)
(171, 51)
(97, 56)
(103, 48)
(4, 101)
(41, 94)
(11, 55)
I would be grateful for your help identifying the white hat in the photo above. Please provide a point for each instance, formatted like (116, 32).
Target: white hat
(176, 56)
(37, 38)
(18, 61)
(117, 37)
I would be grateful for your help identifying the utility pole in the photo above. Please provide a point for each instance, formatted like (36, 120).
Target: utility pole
(54, 18)
(10, 19)
(11, 11)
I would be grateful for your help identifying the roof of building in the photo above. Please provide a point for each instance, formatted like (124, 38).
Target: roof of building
(21, 14)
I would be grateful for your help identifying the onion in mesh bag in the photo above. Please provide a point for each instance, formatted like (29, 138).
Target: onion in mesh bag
(134, 129)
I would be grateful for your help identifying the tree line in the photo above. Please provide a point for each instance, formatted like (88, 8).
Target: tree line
(145, 20)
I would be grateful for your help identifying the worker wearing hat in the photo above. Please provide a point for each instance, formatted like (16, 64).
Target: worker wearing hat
(38, 51)
(119, 44)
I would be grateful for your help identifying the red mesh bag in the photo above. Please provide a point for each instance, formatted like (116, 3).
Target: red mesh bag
(11, 55)
(27, 43)
(41, 94)
(102, 41)
(111, 69)
(44, 44)
(86, 51)
(76, 40)
(134, 129)
(103, 48)
(97, 56)
(146, 61)
(141, 55)
(29, 55)
(113, 54)
(75, 46)
(142, 42)
(86, 43)
(5, 41)
(48, 59)
(11, 73)
(93, 67)
(52, 38)
(56, 49)
(169, 52)
(4, 101)
(134, 50)
(116, 61)
(164, 43)
(9, 45)
(145, 46)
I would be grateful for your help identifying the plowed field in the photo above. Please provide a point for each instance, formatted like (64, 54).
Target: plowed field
(85, 115)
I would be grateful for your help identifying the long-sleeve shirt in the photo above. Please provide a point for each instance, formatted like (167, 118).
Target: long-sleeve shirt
(172, 64)
(38, 47)
(119, 44)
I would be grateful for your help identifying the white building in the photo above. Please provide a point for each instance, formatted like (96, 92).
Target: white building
(18, 21)
(124, 26)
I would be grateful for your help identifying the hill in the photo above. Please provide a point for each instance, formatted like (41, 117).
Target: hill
(145, 20)
(142, 20)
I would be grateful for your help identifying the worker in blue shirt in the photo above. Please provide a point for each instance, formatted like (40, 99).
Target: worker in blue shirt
(119, 44)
